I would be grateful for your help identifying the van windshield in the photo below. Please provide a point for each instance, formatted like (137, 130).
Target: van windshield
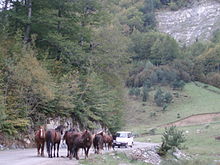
(123, 135)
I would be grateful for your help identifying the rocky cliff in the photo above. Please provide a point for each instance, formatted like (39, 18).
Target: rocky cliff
(187, 25)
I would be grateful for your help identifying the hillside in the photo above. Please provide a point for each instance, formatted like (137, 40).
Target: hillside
(191, 101)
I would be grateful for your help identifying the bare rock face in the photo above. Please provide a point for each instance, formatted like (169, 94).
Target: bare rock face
(188, 25)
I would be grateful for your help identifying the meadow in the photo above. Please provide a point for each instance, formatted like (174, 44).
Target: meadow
(196, 98)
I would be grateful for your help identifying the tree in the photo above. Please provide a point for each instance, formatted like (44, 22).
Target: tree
(164, 50)
(172, 137)
(28, 25)
(156, 47)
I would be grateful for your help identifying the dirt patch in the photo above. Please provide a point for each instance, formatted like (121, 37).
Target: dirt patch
(195, 119)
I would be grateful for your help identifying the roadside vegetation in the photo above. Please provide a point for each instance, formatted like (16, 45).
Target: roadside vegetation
(112, 159)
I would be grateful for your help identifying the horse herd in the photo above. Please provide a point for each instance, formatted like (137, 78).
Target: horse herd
(74, 141)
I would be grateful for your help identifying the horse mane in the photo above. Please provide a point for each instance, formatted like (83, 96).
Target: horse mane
(100, 133)
(60, 127)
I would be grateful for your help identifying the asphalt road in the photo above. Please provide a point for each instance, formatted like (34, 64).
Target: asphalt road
(29, 156)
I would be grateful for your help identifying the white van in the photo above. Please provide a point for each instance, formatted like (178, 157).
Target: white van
(123, 139)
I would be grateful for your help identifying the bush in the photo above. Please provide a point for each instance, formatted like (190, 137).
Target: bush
(137, 92)
(173, 6)
(145, 94)
(168, 98)
(131, 91)
(178, 84)
(159, 97)
(171, 138)
(162, 99)
(213, 79)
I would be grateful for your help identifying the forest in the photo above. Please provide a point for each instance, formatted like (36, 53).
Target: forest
(74, 58)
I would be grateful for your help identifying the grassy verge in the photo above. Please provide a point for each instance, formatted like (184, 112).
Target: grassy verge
(115, 158)
(201, 142)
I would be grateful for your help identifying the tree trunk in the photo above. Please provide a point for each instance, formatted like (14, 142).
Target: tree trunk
(28, 25)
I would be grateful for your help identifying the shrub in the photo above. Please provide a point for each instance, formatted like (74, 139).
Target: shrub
(171, 138)
(168, 97)
(159, 97)
(162, 99)
(213, 79)
(173, 6)
(153, 114)
(131, 91)
(145, 94)
(178, 84)
(137, 92)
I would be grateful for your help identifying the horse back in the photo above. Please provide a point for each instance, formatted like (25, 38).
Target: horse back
(80, 141)
(50, 135)
(98, 140)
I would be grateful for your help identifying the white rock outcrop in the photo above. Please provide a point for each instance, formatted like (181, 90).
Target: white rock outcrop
(188, 25)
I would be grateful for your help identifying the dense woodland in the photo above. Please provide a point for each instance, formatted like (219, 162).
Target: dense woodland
(74, 58)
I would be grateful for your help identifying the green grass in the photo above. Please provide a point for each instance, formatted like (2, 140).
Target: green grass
(194, 99)
(114, 158)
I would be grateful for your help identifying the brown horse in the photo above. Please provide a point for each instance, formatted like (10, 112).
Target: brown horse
(53, 137)
(40, 140)
(81, 140)
(108, 141)
(69, 140)
(98, 142)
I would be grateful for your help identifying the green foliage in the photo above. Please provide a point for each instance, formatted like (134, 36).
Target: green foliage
(72, 65)
(153, 46)
(162, 99)
(131, 91)
(168, 97)
(178, 84)
(172, 137)
(148, 76)
(145, 94)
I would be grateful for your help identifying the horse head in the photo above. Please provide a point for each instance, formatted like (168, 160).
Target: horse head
(60, 129)
(41, 132)
(86, 135)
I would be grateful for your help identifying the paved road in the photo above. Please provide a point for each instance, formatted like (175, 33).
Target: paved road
(29, 156)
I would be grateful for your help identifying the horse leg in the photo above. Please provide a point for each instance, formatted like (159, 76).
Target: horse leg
(68, 151)
(54, 147)
(87, 152)
(42, 149)
(51, 149)
(106, 146)
(84, 151)
(76, 153)
(70, 154)
(58, 147)
(38, 149)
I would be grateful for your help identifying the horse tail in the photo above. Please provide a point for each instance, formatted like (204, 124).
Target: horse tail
(48, 141)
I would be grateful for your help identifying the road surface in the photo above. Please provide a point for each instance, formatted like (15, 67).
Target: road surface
(29, 156)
